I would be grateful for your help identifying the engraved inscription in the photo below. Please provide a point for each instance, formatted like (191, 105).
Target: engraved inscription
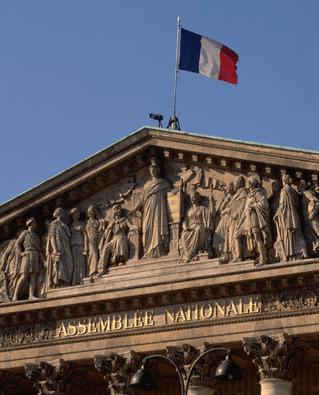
(159, 317)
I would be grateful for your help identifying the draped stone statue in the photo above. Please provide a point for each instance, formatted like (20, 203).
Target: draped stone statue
(237, 206)
(310, 216)
(31, 259)
(77, 243)
(153, 205)
(290, 243)
(222, 242)
(10, 261)
(114, 245)
(59, 257)
(196, 236)
(273, 206)
(254, 223)
(94, 228)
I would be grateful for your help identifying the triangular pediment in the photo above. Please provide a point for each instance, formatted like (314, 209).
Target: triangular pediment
(115, 165)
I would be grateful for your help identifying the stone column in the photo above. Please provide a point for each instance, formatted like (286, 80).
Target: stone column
(197, 390)
(277, 359)
(275, 387)
(117, 370)
(13, 382)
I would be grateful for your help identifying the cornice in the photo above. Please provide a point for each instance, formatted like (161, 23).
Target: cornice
(142, 140)
(291, 154)
(230, 282)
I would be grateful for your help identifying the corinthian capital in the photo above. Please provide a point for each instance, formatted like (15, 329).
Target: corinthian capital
(54, 377)
(202, 374)
(117, 370)
(276, 357)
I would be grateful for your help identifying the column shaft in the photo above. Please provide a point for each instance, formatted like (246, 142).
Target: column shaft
(197, 390)
(275, 387)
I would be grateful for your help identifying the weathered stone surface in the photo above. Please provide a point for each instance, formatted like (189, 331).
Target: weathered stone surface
(131, 260)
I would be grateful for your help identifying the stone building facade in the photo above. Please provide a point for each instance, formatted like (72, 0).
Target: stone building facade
(165, 243)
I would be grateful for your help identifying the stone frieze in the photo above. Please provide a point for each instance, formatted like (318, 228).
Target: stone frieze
(211, 312)
(167, 208)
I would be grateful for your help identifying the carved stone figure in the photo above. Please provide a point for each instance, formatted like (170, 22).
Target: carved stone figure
(77, 244)
(273, 206)
(197, 228)
(42, 286)
(29, 248)
(153, 205)
(94, 227)
(222, 242)
(290, 243)
(10, 259)
(44, 237)
(310, 216)
(237, 206)
(59, 257)
(254, 223)
(114, 244)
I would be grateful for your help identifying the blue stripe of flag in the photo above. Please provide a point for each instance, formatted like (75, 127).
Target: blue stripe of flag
(189, 51)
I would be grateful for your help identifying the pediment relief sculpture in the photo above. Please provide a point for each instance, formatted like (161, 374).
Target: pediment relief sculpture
(197, 228)
(167, 210)
(154, 208)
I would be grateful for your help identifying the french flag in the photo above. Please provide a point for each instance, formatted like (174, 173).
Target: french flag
(207, 57)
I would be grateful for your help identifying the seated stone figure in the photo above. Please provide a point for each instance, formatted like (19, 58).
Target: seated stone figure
(114, 246)
(197, 229)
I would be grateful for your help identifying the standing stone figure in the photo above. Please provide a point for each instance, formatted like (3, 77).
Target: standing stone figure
(59, 257)
(313, 207)
(29, 248)
(115, 244)
(310, 216)
(9, 263)
(254, 224)
(222, 242)
(93, 232)
(273, 206)
(196, 236)
(77, 244)
(237, 206)
(41, 288)
(153, 205)
(290, 243)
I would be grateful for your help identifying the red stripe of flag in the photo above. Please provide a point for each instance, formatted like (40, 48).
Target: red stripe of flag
(228, 60)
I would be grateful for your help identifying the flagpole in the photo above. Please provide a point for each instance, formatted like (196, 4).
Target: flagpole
(174, 120)
(176, 66)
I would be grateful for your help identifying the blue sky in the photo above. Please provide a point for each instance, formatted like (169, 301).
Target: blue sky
(78, 75)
